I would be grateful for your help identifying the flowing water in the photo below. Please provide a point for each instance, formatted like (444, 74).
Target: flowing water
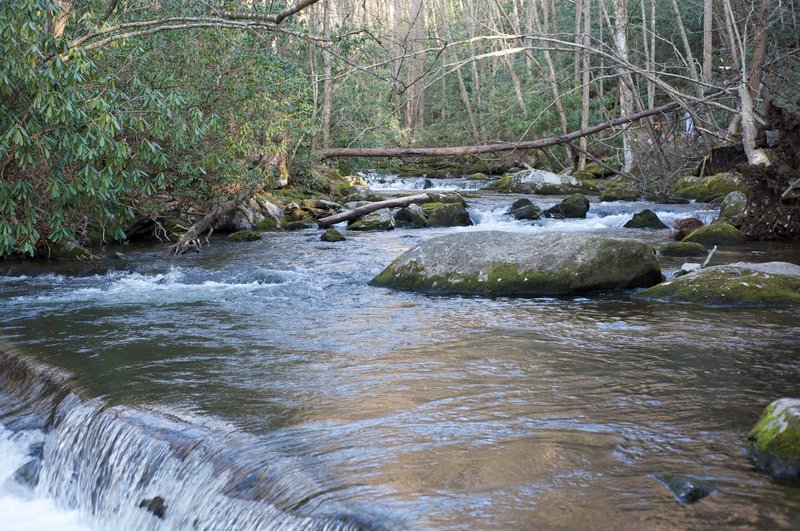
(266, 385)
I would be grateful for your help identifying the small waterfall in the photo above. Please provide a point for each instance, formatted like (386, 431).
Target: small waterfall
(122, 468)
(385, 182)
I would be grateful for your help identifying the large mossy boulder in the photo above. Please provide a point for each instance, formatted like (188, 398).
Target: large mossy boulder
(716, 234)
(377, 221)
(646, 219)
(524, 209)
(575, 206)
(521, 265)
(332, 236)
(446, 215)
(740, 284)
(774, 442)
(683, 249)
(705, 189)
(539, 182)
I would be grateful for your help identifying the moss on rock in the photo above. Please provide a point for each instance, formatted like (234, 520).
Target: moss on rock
(706, 189)
(244, 236)
(522, 265)
(741, 284)
(332, 236)
(716, 234)
(446, 215)
(683, 249)
(774, 442)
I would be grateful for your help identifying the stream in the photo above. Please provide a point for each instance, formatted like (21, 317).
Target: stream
(265, 385)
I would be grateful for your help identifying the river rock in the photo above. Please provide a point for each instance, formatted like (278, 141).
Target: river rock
(154, 505)
(524, 209)
(740, 284)
(685, 226)
(646, 219)
(774, 442)
(619, 189)
(27, 474)
(536, 182)
(244, 236)
(683, 249)
(362, 193)
(705, 189)
(478, 177)
(332, 235)
(522, 265)
(686, 489)
(412, 216)
(446, 215)
(716, 234)
(377, 221)
(303, 224)
(575, 206)
(733, 205)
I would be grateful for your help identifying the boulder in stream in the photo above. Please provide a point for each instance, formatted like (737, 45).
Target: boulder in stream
(521, 265)
(412, 216)
(447, 215)
(377, 221)
(535, 182)
(716, 234)
(332, 236)
(524, 209)
(732, 206)
(740, 284)
(685, 226)
(575, 206)
(244, 236)
(646, 219)
(774, 442)
(683, 249)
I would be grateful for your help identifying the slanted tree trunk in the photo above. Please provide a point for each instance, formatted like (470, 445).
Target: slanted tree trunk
(494, 148)
(399, 202)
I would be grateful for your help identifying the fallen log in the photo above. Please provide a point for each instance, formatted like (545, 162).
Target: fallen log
(492, 148)
(398, 202)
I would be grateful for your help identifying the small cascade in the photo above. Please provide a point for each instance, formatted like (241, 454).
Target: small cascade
(492, 215)
(122, 468)
(387, 182)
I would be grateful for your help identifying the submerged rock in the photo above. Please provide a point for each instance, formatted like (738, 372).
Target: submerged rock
(244, 236)
(575, 206)
(683, 249)
(332, 235)
(447, 215)
(686, 489)
(524, 209)
(521, 265)
(377, 221)
(740, 284)
(774, 442)
(646, 219)
(685, 226)
(716, 234)
(706, 189)
(28, 473)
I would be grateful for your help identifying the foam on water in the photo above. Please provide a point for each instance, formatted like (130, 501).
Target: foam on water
(20, 508)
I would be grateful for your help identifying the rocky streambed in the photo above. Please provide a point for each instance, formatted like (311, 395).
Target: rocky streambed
(280, 388)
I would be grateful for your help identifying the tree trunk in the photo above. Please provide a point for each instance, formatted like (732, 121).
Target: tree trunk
(708, 34)
(625, 88)
(327, 76)
(494, 148)
(398, 202)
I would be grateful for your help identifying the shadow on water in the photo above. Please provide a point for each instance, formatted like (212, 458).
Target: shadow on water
(290, 388)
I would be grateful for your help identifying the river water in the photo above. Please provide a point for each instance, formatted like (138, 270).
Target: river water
(266, 385)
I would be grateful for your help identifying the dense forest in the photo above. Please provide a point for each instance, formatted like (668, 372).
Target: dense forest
(114, 111)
